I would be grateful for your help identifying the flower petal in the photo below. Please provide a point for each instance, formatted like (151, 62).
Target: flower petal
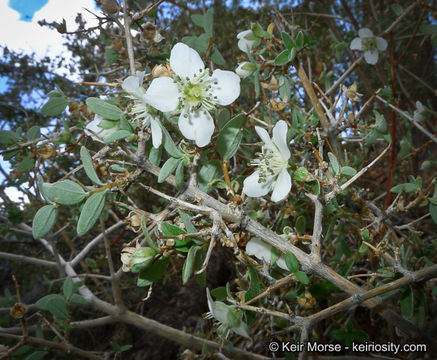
(97, 133)
(280, 138)
(381, 43)
(253, 188)
(156, 133)
(282, 186)
(356, 44)
(281, 263)
(244, 44)
(365, 33)
(163, 94)
(260, 249)
(132, 86)
(371, 56)
(185, 61)
(198, 126)
(264, 135)
(227, 88)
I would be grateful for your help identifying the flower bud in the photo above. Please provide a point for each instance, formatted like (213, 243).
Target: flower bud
(245, 69)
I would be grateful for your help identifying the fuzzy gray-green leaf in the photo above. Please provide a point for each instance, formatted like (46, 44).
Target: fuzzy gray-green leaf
(90, 212)
(43, 221)
(88, 166)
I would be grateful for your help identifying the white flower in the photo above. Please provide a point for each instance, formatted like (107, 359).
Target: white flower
(245, 69)
(144, 99)
(97, 133)
(245, 40)
(419, 113)
(272, 164)
(263, 251)
(199, 91)
(370, 44)
(227, 317)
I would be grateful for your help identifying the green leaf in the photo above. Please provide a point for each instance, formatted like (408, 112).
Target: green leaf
(288, 41)
(68, 287)
(102, 108)
(292, 54)
(199, 20)
(25, 165)
(43, 221)
(407, 187)
(300, 224)
(230, 137)
(43, 189)
(90, 212)
(55, 304)
(219, 293)
(208, 173)
(168, 168)
(186, 219)
(153, 272)
(222, 117)
(300, 174)
(299, 41)
(188, 267)
(334, 163)
(8, 137)
(291, 262)
(257, 30)
(111, 56)
(208, 22)
(118, 135)
(179, 175)
(302, 277)
(169, 144)
(65, 192)
(33, 133)
(348, 171)
(155, 155)
(255, 287)
(282, 58)
(201, 43)
(78, 299)
(88, 166)
(172, 230)
(108, 124)
(55, 106)
(407, 303)
(217, 57)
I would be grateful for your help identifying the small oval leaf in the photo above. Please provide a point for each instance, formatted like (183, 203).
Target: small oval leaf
(65, 192)
(102, 108)
(88, 166)
(91, 212)
(43, 221)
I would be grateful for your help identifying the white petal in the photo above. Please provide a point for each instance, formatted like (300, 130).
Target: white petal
(227, 88)
(281, 263)
(282, 186)
(253, 188)
(140, 76)
(264, 135)
(97, 133)
(131, 85)
(365, 33)
(381, 43)
(244, 44)
(371, 57)
(260, 249)
(357, 44)
(198, 126)
(280, 138)
(156, 133)
(185, 61)
(163, 94)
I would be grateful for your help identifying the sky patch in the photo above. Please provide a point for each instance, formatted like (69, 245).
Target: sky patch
(27, 8)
